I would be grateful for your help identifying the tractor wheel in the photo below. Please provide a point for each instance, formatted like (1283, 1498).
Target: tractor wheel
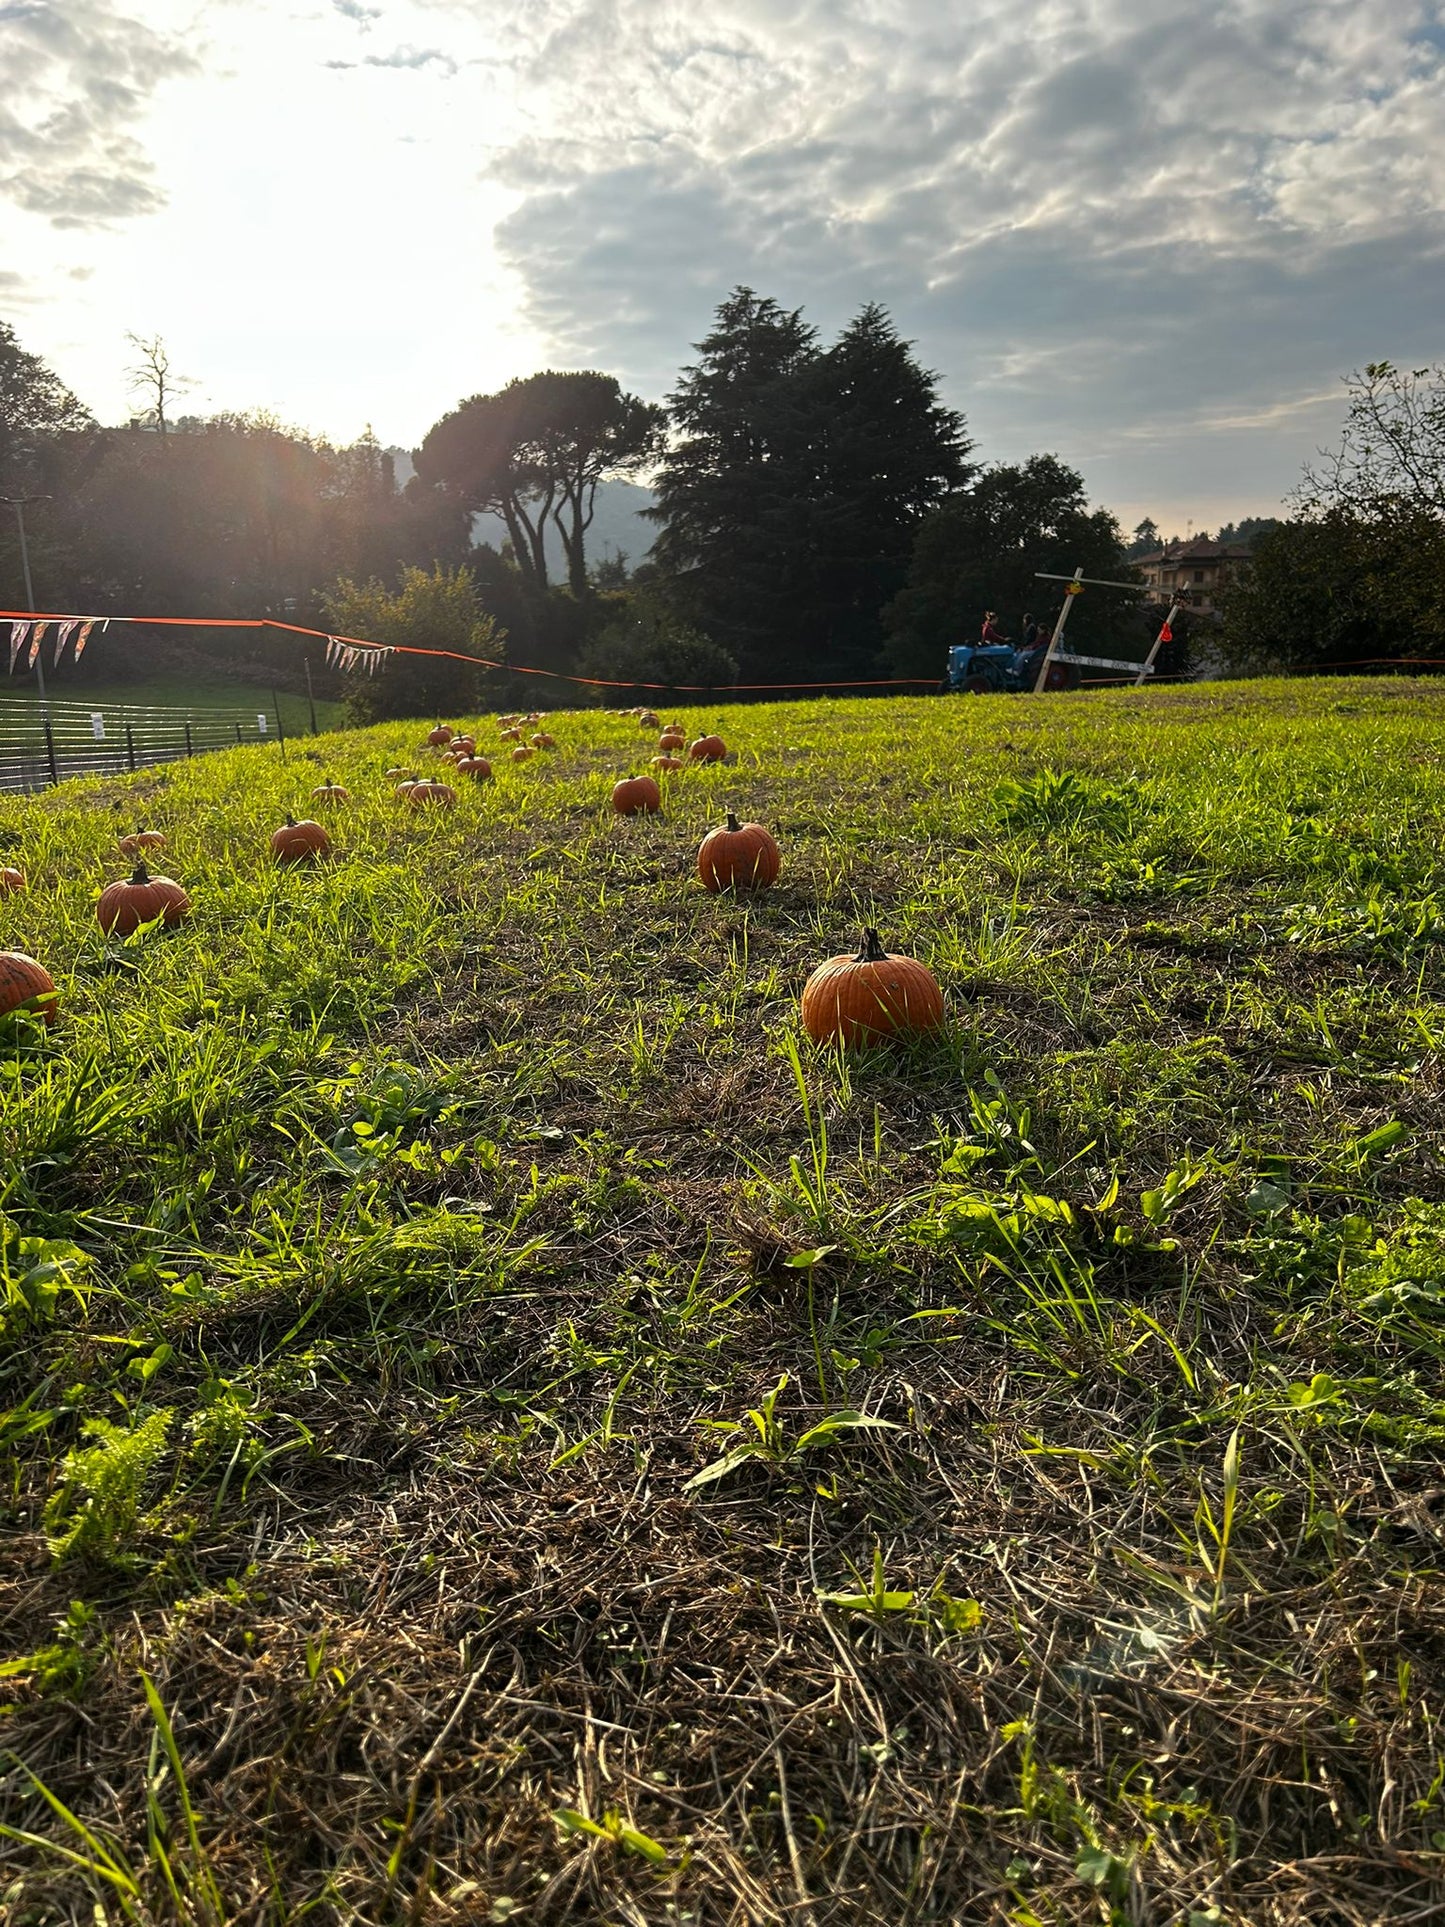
(977, 685)
(1063, 675)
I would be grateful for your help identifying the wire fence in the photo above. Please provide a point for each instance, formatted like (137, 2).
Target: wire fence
(40, 746)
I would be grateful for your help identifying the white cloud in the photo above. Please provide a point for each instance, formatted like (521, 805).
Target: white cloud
(1150, 237)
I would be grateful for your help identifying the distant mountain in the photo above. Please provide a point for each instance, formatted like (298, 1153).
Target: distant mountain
(617, 523)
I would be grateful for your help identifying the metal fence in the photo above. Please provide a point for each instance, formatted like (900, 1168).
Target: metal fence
(40, 747)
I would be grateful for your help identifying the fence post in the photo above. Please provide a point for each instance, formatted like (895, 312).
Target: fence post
(129, 746)
(280, 731)
(189, 749)
(238, 732)
(50, 751)
(310, 696)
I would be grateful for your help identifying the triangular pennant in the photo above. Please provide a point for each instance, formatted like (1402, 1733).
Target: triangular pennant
(83, 638)
(18, 632)
(37, 636)
(1166, 634)
(62, 636)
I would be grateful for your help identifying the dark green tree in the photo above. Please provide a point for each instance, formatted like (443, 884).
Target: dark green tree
(1339, 587)
(795, 481)
(534, 453)
(982, 549)
(432, 609)
(35, 405)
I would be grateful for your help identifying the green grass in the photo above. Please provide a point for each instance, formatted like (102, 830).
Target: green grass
(184, 693)
(497, 1425)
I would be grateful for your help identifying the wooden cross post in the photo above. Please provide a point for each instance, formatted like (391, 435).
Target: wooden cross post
(1146, 667)
(1075, 587)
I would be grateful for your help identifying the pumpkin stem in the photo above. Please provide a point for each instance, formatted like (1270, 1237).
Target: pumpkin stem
(733, 823)
(871, 950)
(290, 821)
(140, 874)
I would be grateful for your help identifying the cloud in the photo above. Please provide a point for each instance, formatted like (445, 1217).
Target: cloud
(79, 77)
(410, 58)
(1109, 225)
(353, 10)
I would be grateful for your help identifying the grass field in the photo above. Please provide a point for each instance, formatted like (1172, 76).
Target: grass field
(184, 693)
(388, 1251)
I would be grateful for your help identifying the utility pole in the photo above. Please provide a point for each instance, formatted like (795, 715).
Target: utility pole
(20, 503)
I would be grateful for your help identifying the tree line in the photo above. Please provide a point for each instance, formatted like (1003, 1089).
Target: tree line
(822, 516)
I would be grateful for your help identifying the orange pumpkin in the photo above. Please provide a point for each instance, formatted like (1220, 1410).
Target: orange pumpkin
(424, 796)
(299, 842)
(671, 739)
(26, 985)
(512, 735)
(394, 774)
(667, 762)
(407, 784)
(543, 741)
(11, 881)
(142, 840)
(521, 753)
(534, 716)
(441, 734)
(140, 898)
(635, 794)
(708, 749)
(462, 745)
(331, 792)
(477, 767)
(741, 856)
(869, 994)
(649, 719)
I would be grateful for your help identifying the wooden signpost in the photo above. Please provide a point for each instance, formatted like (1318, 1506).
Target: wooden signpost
(1074, 585)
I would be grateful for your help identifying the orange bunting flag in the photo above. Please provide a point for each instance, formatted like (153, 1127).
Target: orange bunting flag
(1166, 634)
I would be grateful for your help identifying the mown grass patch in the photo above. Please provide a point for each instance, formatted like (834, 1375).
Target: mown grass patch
(496, 1425)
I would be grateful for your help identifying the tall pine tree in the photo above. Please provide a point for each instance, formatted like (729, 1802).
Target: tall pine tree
(795, 483)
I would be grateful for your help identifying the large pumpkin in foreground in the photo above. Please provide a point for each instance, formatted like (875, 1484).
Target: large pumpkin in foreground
(25, 985)
(141, 898)
(740, 856)
(869, 995)
(635, 794)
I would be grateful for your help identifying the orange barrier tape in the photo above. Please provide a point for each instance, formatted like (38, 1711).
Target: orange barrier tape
(454, 655)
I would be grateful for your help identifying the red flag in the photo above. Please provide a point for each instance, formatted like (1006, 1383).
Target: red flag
(1166, 634)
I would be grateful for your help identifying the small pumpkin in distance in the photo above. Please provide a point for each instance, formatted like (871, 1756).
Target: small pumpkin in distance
(26, 985)
(142, 839)
(671, 739)
(635, 795)
(140, 898)
(407, 784)
(299, 842)
(462, 745)
(429, 795)
(11, 880)
(708, 749)
(477, 767)
(869, 994)
(395, 773)
(512, 735)
(667, 763)
(739, 856)
(521, 753)
(543, 741)
(441, 734)
(649, 719)
(331, 792)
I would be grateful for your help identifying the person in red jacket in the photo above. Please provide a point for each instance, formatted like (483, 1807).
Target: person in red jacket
(991, 632)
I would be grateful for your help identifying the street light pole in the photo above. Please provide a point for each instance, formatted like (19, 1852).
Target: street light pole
(20, 503)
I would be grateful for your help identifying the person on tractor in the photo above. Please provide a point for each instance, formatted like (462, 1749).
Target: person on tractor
(992, 634)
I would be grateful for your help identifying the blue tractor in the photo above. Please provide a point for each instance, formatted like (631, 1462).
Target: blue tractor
(997, 668)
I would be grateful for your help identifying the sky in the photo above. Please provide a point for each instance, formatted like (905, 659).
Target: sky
(1149, 236)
